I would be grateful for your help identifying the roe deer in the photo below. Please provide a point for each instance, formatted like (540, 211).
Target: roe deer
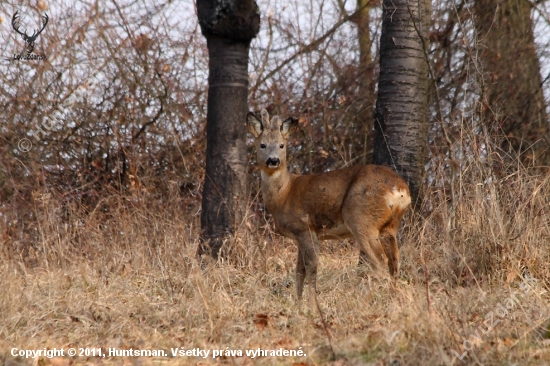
(364, 202)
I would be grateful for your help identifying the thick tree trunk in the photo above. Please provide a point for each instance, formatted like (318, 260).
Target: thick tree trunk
(401, 108)
(228, 26)
(513, 87)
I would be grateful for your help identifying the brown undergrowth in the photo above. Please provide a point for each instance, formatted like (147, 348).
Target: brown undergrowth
(124, 275)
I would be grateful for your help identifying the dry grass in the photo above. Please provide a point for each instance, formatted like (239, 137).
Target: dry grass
(125, 276)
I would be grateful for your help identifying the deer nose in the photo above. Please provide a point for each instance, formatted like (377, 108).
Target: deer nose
(273, 162)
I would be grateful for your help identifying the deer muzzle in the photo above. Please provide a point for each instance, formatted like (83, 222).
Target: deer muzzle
(273, 163)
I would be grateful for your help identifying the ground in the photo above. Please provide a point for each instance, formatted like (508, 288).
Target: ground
(137, 285)
(99, 215)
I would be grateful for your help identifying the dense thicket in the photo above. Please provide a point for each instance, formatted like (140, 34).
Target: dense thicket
(119, 105)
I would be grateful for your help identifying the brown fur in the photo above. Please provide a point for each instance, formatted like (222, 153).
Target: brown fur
(364, 202)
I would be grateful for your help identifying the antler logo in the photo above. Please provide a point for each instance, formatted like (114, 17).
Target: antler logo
(28, 39)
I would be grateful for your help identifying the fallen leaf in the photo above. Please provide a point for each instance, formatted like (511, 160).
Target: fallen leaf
(511, 276)
(285, 343)
(261, 321)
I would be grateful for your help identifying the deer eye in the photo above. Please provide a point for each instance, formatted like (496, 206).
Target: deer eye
(281, 146)
(262, 146)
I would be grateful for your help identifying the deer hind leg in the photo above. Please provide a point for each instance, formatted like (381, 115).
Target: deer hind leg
(366, 215)
(306, 266)
(389, 243)
(370, 245)
(388, 236)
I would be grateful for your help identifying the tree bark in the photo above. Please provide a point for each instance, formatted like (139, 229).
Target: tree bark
(513, 85)
(401, 108)
(228, 26)
(365, 79)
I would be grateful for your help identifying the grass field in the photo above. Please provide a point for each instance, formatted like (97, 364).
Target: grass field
(125, 276)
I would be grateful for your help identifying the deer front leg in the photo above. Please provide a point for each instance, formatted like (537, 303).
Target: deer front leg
(306, 266)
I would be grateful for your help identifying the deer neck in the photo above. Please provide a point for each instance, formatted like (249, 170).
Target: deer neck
(275, 186)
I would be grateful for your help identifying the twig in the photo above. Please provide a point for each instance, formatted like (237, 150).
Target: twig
(312, 45)
(427, 279)
(264, 63)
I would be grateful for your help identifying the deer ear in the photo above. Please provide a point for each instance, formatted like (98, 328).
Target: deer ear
(254, 124)
(288, 126)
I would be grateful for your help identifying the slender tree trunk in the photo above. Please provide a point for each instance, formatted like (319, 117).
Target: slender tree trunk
(513, 86)
(366, 83)
(228, 26)
(365, 118)
(401, 108)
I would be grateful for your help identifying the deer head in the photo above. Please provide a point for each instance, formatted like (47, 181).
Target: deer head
(270, 138)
